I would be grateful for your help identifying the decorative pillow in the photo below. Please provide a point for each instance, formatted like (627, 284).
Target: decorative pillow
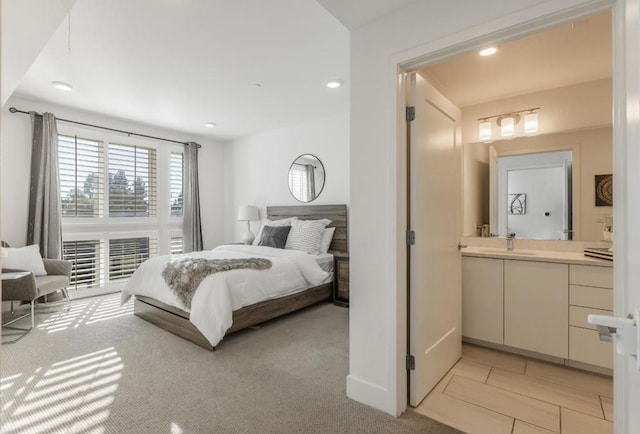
(266, 222)
(24, 258)
(325, 242)
(306, 235)
(274, 236)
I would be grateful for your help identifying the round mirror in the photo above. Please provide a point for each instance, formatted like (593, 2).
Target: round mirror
(306, 178)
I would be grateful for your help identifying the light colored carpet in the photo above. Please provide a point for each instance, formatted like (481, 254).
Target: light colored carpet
(98, 368)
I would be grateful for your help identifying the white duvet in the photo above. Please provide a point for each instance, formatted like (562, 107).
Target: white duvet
(221, 293)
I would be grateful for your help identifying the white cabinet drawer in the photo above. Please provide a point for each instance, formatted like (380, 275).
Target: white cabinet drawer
(587, 296)
(585, 347)
(588, 275)
(578, 316)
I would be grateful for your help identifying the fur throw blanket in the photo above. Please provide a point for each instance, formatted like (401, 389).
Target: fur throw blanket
(184, 276)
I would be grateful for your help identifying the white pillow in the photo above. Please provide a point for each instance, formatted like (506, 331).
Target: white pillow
(306, 235)
(24, 258)
(267, 222)
(327, 236)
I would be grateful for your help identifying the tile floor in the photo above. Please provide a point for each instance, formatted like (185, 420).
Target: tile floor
(494, 392)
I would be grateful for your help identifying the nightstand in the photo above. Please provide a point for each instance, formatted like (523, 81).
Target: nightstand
(341, 279)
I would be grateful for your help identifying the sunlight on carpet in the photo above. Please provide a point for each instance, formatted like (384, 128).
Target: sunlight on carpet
(71, 396)
(87, 311)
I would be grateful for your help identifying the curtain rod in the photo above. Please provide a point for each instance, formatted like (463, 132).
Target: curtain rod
(129, 133)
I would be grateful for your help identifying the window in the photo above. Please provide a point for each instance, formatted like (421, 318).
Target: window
(298, 182)
(81, 165)
(86, 261)
(126, 254)
(176, 245)
(176, 175)
(132, 181)
(122, 203)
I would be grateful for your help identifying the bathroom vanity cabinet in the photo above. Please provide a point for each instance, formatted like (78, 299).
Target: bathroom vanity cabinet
(537, 308)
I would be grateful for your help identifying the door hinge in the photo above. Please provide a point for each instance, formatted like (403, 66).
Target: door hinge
(411, 238)
(411, 362)
(410, 113)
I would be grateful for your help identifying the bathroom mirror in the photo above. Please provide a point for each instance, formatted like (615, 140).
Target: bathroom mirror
(541, 187)
(306, 178)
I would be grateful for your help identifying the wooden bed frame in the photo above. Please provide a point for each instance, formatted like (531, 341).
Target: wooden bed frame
(176, 320)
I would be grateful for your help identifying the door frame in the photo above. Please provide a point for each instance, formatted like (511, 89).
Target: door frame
(624, 126)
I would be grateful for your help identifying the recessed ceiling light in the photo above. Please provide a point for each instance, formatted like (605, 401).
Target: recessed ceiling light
(333, 84)
(488, 51)
(61, 85)
(210, 125)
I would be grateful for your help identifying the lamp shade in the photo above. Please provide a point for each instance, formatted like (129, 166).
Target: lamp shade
(507, 126)
(248, 213)
(531, 122)
(484, 130)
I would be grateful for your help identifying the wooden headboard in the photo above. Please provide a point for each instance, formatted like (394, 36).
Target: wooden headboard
(336, 213)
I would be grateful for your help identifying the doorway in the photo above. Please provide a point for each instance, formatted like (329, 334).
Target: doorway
(412, 315)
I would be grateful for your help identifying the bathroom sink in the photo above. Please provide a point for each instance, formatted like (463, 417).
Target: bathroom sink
(509, 252)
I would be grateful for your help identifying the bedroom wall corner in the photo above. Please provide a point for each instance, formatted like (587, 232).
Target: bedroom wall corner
(256, 168)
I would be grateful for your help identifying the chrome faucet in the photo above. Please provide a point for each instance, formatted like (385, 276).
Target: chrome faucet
(510, 237)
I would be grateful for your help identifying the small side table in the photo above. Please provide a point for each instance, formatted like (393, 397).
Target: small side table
(341, 279)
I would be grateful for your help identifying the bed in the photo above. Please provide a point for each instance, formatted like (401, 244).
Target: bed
(170, 317)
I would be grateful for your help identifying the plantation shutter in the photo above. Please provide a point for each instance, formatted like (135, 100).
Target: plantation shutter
(126, 254)
(86, 261)
(132, 181)
(81, 167)
(176, 175)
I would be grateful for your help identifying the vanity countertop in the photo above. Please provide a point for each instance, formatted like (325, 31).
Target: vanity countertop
(536, 255)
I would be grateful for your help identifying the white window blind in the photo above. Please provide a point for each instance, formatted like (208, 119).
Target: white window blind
(176, 175)
(126, 254)
(176, 245)
(86, 261)
(298, 182)
(132, 181)
(81, 167)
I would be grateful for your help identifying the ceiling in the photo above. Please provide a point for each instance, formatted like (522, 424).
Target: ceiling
(247, 66)
(569, 54)
(356, 13)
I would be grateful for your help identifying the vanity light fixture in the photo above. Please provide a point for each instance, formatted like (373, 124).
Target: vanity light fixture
(507, 123)
(334, 84)
(61, 85)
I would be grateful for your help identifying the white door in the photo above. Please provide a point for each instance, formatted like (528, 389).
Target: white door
(435, 192)
(626, 210)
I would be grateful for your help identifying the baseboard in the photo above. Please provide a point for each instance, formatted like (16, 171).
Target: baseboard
(544, 357)
(371, 394)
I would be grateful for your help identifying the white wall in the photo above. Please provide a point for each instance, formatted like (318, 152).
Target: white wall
(256, 168)
(377, 316)
(569, 108)
(16, 162)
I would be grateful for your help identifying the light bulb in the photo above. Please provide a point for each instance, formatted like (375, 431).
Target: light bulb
(484, 130)
(531, 122)
(507, 126)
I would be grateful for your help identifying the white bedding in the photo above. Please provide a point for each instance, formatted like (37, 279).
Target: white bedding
(221, 293)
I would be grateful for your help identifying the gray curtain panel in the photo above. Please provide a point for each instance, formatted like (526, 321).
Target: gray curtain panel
(192, 223)
(311, 182)
(45, 209)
